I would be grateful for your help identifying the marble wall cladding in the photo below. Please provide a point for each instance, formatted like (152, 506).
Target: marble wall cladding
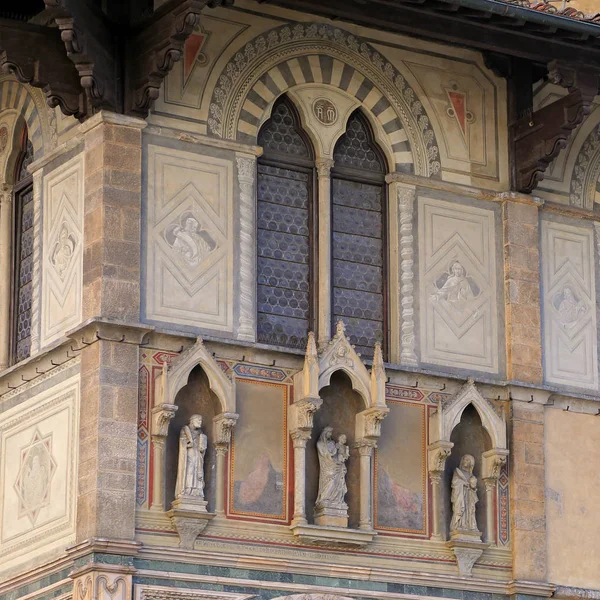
(259, 454)
(189, 239)
(569, 304)
(62, 242)
(458, 289)
(38, 465)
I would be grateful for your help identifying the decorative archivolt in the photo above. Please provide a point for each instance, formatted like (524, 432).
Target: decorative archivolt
(175, 376)
(30, 104)
(443, 421)
(282, 58)
(586, 172)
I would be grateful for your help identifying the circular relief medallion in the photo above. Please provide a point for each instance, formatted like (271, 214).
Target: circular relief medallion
(3, 138)
(325, 111)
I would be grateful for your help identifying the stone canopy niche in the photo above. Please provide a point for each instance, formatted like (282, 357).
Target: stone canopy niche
(336, 390)
(467, 425)
(193, 384)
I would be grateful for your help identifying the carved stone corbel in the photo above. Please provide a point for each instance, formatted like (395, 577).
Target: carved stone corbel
(161, 417)
(223, 425)
(41, 63)
(539, 137)
(157, 46)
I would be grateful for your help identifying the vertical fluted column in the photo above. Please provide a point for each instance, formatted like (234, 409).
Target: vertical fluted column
(223, 425)
(324, 166)
(161, 417)
(299, 439)
(36, 275)
(6, 196)
(365, 451)
(246, 167)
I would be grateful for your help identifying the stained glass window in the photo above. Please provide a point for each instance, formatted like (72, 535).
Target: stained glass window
(358, 202)
(285, 182)
(23, 255)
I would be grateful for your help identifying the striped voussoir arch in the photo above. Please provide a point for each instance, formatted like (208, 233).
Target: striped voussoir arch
(327, 70)
(14, 95)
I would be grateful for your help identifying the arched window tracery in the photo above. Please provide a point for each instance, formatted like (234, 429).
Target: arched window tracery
(22, 264)
(359, 253)
(284, 229)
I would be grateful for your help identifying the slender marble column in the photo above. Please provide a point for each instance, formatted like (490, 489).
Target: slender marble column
(365, 451)
(490, 490)
(299, 439)
(436, 493)
(161, 417)
(221, 450)
(324, 166)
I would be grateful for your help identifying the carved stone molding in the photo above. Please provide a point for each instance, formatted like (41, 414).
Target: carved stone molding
(103, 582)
(155, 592)
(189, 521)
(246, 167)
(467, 554)
(333, 537)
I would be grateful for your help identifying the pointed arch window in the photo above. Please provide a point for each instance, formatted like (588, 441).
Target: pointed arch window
(358, 194)
(22, 254)
(285, 229)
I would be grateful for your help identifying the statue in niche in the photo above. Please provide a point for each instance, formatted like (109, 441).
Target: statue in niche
(332, 470)
(190, 469)
(455, 288)
(464, 497)
(570, 308)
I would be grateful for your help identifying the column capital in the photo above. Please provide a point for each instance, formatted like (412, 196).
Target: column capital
(438, 452)
(300, 437)
(365, 447)
(301, 413)
(324, 166)
(492, 463)
(223, 425)
(161, 417)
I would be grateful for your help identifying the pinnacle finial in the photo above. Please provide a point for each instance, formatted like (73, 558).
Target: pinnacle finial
(378, 357)
(340, 328)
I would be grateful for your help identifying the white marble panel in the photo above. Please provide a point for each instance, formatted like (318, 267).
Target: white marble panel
(189, 228)
(569, 305)
(458, 289)
(62, 242)
(38, 466)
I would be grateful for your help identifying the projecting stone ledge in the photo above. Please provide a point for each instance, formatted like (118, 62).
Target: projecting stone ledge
(333, 536)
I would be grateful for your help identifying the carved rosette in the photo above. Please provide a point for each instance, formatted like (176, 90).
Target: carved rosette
(246, 176)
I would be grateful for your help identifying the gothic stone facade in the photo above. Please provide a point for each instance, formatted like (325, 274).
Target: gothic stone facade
(296, 175)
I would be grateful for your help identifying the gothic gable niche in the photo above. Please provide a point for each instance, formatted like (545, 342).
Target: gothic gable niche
(312, 52)
(569, 305)
(458, 285)
(189, 250)
(62, 247)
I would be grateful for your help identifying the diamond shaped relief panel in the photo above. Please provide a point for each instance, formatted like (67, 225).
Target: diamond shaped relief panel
(569, 305)
(62, 251)
(189, 274)
(458, 287)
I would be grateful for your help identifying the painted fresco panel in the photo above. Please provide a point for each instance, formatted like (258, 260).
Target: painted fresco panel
(258, 469)
(400, 470)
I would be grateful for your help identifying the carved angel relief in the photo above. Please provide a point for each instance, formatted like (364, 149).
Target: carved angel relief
(63, 250)
(188, 240)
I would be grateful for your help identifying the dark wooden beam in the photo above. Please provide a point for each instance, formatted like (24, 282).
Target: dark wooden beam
(36, 55)
(494, 34)
(539, 137)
